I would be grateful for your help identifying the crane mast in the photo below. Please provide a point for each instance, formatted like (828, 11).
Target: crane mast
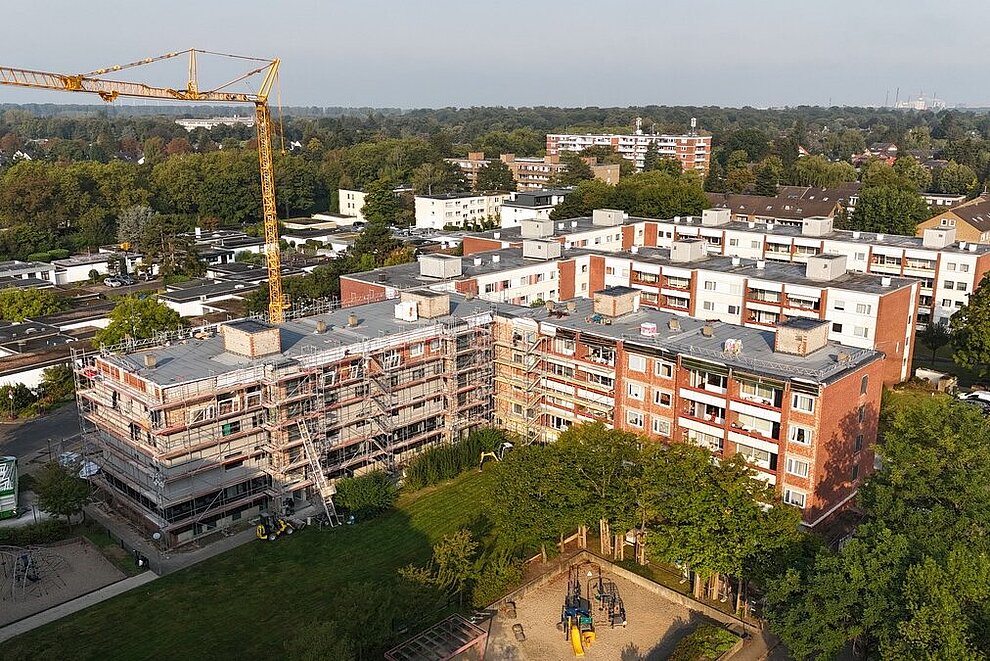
(110, 90)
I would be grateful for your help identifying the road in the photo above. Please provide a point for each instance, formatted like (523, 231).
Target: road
(29, 441)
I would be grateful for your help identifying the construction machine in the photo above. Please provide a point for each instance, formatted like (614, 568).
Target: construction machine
(272, 527)
(108, 89)
(496, 455)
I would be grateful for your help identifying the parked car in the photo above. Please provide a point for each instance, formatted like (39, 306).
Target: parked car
(976, 395)
(127, 280)
(113, 281)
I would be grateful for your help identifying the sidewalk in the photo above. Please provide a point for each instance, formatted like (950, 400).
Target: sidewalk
(77, 604)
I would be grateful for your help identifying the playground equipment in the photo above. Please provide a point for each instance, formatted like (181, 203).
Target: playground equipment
(498, 454)
(575, 616)
(272, 527)
(29, 572)
(606, 593)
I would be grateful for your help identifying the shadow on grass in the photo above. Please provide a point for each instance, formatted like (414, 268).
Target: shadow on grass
(680, 628)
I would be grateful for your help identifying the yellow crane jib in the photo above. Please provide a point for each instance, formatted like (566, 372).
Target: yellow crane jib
(110, 90)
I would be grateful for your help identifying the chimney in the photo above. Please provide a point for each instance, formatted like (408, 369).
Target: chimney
(496, 259)
(674, 324)
(856, 235)
(885, 281)
(477, 261)
(616, 301)
(150, 360)
(801, 336)
(321, 327)
(550, 307)
(352, 321)
(496, 235)
(715, 217)
(880, 237)
(736, 261)
(707, 330)
(571, 306)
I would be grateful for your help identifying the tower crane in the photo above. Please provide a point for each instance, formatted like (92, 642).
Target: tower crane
(96, 82)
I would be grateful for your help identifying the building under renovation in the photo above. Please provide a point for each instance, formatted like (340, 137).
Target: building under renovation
(199, 430)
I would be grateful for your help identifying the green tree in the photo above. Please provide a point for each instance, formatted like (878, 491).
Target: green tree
(436, 178)
(380, 205)
(18, 304)
(15, 398)
(367, 495)
(577, 170)
(132, 223)
(817, 171)
(651, 158)
(496, 176)
(740, 176)
(935, 336)
(715, 179)
(911, 170)
(57, 384)
(137, 318)
(889, 209)
(955, 179)
(60, 490)
(768, 174)
(970, 327)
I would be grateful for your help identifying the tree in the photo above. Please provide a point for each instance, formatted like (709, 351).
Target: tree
(577, 170)
(137, 318)
(955, 179)
(935, 336)
(60, 490)
(740, 176)
(768, 174)
(913, 582)
(57, 384)
(970, 326)
(367, 495)
(375, 241)
(131, 224)
(651, 158)
(380, 205)
(715, 179)
(889, 209)
(909, 169)
(436, 178)
(496, 176)
(817, 171)
(18, 304)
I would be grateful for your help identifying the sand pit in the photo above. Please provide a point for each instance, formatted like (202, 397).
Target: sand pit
(654, 625)
(66, 571)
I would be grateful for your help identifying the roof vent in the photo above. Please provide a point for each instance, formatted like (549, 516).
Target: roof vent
(496, 259)
(842, 357)
(352, 321)
(648, 329)
(321, 326)
(150, 360)
(496, 235)
(634, 249)
(856, 235)
(880, 237)
(761, 264)
(885, 282)
(736, 261)
(751, 224)
(477, 261)
(571, 306)
(674, 324)
(550, 307)
(707, 330)
(573, 223)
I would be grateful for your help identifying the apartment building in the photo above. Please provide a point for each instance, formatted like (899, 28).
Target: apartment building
(351, 202)
(531, 173)
(457, 209)
(691, 150)
(801, 410)
(531, 205)
(970, 220)
(221, 422)
(864, 311)
(947, 270)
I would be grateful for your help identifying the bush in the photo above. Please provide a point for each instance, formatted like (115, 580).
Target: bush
(445, 462)
(366, 496)
(45, 532)
(706, 643)
(496, 577)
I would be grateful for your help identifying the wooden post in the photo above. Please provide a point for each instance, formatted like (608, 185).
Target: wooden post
(605, 536)
(582, 537)
(739, 592)
(697, 586)
(543, 552)
(620, 548)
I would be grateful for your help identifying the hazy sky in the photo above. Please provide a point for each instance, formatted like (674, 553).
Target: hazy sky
(432, 53)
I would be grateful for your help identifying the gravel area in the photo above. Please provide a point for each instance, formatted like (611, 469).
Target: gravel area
(654, 625)
(66, 571)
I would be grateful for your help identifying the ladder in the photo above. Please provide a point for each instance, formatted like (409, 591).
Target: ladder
(323, 486)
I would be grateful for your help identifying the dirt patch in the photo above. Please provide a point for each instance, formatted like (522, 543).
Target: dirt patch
(653, 626)
(61, 572)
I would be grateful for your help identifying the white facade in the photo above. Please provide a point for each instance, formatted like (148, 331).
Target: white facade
(76, 269)
(439, 211)
(692, 151)
(351, 202)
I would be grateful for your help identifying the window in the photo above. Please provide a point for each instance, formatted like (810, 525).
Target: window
(855, 472)
(951, 266)
(960, 286)
(230, 428)
(799, 435)
(416, 349)
(733, 309)
(859, 442)
(661, 426)
(836, 328)
(795, 498)
(710, 285)
(861, 331)
(946, 302)
(863, 308)
(798, 467)
(864, 384)
(637, 363)
(948, 284)
(634, 418)
(839, 305)
(635, 391)
(663, 369)
(860, 257)
(584, 268)
(964, 268)
(733, 242)
(804, 403)
(600, 380)
(563, 346)
(662, 398)
(754, 244)
(709, 306)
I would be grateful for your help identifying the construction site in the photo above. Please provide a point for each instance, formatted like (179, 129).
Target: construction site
(198, 430)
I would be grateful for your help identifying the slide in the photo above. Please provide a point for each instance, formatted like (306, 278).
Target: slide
(576, 641)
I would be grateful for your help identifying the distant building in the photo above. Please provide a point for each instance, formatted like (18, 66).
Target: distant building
(351, 202)
(885, 151)
(457, 209)
(791, 204)
(530, 205)
(213, 122)
(971, 220)
(532, 173)
(691, 150)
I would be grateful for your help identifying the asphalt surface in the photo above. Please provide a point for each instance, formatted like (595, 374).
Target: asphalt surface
(30, 440)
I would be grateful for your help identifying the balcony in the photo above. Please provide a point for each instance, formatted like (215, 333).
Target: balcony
(713, 415)
(763, 296)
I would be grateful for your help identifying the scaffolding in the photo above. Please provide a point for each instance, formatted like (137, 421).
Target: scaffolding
(520, 358)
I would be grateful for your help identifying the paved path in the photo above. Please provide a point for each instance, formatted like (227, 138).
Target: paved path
(75, 605)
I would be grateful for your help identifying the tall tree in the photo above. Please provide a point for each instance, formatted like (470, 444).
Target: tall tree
(740, 177)
(380, 205)
(935, 336)
(577, 170)
(889, 209)
(131, 224)
(651, 158)
(137, 318)
(496, 176)
(60, 489)
(955, 179)
(768, 173)
(970, 326)
(18, 304)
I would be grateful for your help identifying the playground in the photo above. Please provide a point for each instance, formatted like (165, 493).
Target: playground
(559, 623)
(33, 579)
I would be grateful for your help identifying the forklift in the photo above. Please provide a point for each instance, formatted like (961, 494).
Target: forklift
(271, 527)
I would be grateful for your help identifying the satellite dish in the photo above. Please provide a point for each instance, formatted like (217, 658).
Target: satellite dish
(156, 536)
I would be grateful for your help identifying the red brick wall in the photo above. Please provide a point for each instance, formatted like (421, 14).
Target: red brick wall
(566, 270)
(650, 235)
(628, 236)
(893, 321)
(469, 286)
(596, 281)
(355, 292)
(473, 244)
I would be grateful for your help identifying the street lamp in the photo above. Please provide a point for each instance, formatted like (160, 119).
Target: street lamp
(10, 396)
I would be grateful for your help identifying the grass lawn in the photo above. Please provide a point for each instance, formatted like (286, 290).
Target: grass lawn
(244, 603)
(943, 363)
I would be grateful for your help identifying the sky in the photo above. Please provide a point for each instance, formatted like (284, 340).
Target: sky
(438, 53)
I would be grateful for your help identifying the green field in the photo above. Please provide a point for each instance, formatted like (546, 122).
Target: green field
(246, 602)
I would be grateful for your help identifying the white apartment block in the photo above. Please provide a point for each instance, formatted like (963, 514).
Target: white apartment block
(350, 203)
(457, 210)
(692, 151)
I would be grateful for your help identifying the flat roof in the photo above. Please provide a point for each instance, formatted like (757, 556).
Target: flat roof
(80, 260)
(249, 325)
(407, 276)
(213, 289)
(686, 338)
(193, 359)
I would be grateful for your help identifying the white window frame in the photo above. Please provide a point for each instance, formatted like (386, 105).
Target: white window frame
(795, 466)
(798, 499)
(798, 397)
(793, 433)
(661, 426)
(664, 369)
(635, 391)
(635, 418)
(637, 363)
